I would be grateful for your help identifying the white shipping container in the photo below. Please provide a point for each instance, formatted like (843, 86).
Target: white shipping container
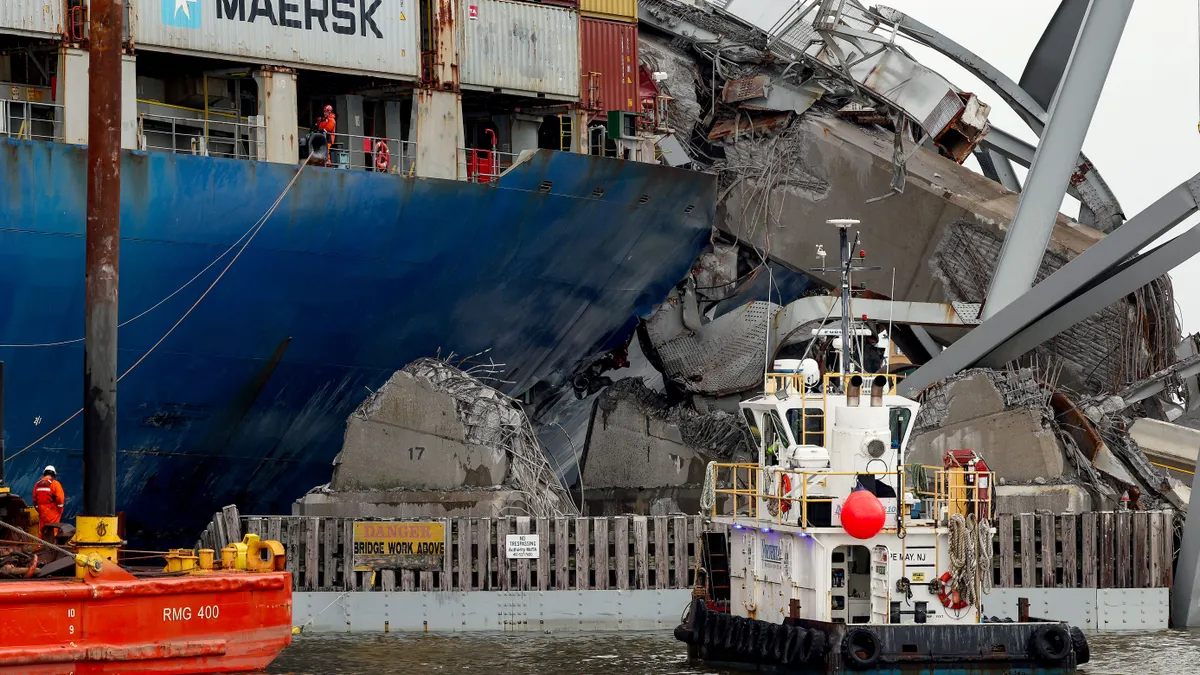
(361, 36)
(519, 46)
(40, 18)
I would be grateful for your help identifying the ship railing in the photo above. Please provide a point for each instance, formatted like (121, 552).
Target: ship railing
(831, 383)
(217, 136)
(955, 491)
(485, 165)
(352, 152)
(31, 120)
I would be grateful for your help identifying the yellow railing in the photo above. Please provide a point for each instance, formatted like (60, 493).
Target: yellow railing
(955, 491)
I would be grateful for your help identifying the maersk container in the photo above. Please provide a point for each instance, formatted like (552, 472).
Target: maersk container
(617, 10)
(377, 37)
(37, 18)
(610, 49)
(519, 47)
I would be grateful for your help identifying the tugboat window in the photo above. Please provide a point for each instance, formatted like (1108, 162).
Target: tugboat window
(808, 425)
(754, 431)
(776, 438)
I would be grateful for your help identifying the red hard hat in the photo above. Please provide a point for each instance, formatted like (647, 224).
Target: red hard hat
(328, 108)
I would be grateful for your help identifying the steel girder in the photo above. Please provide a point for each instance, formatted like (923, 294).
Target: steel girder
(1057, 153)
(1096, 278)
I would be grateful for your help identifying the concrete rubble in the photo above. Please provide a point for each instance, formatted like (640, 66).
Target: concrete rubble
(437, 440)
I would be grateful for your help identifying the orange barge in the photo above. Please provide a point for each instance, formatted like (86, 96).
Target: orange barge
(115, 622)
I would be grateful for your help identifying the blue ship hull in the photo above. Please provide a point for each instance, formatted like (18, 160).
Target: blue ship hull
(355, 275)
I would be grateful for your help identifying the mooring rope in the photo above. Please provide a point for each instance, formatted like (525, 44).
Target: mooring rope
(984, 539)
(708, 495)
(36, 538)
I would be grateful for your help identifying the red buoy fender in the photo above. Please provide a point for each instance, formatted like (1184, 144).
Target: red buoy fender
(863, 515)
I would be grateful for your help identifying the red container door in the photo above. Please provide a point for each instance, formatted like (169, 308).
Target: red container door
(610, 49)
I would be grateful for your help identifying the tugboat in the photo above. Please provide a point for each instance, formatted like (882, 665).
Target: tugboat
(840, 557)
(68, 606)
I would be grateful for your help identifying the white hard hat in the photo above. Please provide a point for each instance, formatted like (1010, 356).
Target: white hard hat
(50, 469)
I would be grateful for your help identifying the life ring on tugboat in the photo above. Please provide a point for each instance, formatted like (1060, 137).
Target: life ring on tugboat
(861, 648)
(785, 486)
(949, 597)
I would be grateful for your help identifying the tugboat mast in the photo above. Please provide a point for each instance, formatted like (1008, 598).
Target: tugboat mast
(844, 268)
(97, 526)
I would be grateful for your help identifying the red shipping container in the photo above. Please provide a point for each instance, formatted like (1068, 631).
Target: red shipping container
(609, 48)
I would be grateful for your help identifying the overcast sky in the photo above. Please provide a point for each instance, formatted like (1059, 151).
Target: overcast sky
(1144, 137)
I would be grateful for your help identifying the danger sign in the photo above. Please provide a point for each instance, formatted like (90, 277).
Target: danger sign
(473, 12)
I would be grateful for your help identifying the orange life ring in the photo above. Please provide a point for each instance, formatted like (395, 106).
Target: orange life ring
(382, 156)
(949, 598)
(785, 485)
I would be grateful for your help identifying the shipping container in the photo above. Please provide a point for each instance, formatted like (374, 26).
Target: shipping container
(37, 18)
(616, 10)
(573, 4)
(377, 37)
(610, 49)
(519, 47)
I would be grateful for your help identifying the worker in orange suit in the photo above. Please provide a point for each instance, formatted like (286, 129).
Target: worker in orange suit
(328, 124)
(48, 497)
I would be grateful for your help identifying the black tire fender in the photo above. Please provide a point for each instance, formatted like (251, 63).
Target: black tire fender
(683, 634)
(795, 653)
(816, 644)
(699, 616)
(712, 625)
(861, 648)
(786, 642)
(1051, 644)
(763, 643)
(1079, 643)
(804, 645)
(778, 639)
(749, 643)
(732, 633)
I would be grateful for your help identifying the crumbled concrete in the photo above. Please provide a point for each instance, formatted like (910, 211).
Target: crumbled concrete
(412, 504)
(628, 448)
(1107, 463)
(648, 502)
(407, 435)
(1015, 444)
(1034, 498)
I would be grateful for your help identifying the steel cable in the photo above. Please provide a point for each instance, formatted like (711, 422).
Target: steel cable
(254, 232)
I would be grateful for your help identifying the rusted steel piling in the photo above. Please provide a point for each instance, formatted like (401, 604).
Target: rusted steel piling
(103, 260)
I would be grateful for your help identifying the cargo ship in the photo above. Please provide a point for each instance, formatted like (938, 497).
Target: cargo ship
(492, 187)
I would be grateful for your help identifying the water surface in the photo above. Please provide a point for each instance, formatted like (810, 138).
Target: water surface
(1165, 653)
